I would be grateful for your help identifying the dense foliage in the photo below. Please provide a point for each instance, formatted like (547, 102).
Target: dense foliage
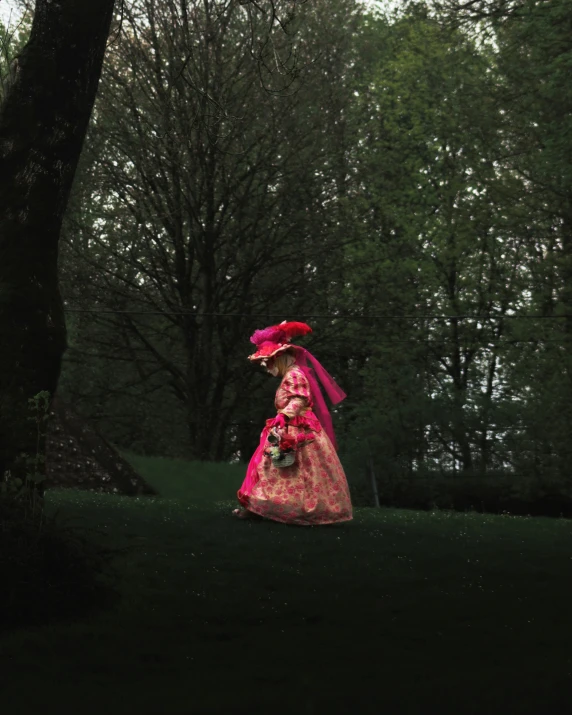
(409, 174)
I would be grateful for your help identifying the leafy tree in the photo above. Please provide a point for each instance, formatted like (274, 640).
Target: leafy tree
(208, 194)
(434, 243)
(535, 51)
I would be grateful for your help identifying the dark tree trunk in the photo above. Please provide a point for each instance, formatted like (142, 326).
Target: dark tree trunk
(43, 122)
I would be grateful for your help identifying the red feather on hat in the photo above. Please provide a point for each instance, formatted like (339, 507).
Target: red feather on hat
(294, 329)
(280, 333)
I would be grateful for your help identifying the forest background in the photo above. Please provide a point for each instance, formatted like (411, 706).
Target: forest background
(402, 181)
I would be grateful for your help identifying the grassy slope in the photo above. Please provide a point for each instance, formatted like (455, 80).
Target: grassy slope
(398, 612)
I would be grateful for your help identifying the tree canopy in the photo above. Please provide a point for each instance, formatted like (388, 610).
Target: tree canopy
(401, 181)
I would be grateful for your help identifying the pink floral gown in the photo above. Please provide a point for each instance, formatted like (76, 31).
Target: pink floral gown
(312, 491)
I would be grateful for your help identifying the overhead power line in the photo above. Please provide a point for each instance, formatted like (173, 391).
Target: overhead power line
(318, 315)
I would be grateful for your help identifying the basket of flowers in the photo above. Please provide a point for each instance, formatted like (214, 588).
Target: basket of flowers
(282, 450)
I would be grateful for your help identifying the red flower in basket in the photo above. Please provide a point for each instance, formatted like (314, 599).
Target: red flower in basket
(287, 443)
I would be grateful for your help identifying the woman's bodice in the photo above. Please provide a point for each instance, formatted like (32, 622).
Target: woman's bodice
(293, 396)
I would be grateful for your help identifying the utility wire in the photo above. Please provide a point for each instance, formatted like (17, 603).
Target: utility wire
(318, 315)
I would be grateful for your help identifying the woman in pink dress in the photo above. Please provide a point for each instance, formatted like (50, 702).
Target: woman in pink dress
(295, 476)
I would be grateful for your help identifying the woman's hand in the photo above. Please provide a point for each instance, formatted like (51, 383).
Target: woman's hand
(280, 421)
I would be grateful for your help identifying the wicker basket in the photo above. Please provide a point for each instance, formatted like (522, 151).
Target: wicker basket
(286, 459)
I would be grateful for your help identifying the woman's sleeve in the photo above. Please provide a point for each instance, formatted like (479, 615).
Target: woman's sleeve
(296, 388)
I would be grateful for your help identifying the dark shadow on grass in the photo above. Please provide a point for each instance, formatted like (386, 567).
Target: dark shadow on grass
(52, 573)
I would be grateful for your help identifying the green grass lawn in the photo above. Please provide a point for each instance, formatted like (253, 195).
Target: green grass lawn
(396, 612)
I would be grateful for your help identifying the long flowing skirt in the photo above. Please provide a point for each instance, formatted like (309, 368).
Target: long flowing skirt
(314, 490)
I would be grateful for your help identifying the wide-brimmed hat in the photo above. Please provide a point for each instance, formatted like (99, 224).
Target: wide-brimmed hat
(276, 339)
